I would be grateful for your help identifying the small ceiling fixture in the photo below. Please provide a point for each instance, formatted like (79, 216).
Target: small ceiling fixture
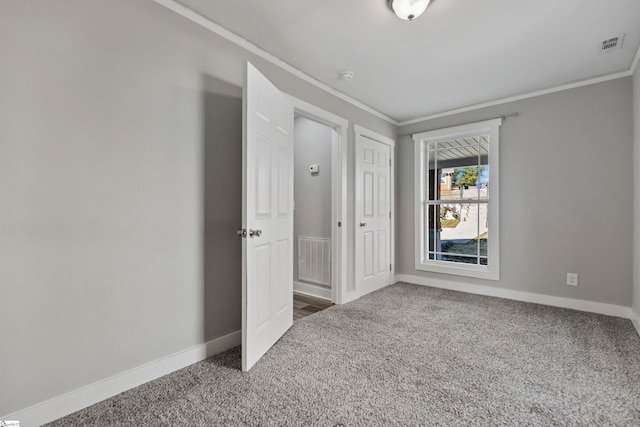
(408, 9)
(346, 75)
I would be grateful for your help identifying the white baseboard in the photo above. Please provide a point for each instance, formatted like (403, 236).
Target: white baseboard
(311, 290)
(75, 400)
(575, 304)
(635, 319)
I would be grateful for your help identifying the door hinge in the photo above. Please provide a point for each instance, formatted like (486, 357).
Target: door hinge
(389, 162)
(390, 267)
(339, 223)
(389, 214)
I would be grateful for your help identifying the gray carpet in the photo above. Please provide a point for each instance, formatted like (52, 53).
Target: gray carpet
(408, 355)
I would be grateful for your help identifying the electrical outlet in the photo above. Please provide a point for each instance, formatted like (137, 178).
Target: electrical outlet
(572, 279)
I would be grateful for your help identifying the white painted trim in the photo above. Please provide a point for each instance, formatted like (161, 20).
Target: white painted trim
(311, 290)
(340, 199)
(80, 398)
(339, 235)
(317, 114)
(634, 64)
(635, 319)
(359, 132)
(575, 304)
(527, 95)
(245, 44)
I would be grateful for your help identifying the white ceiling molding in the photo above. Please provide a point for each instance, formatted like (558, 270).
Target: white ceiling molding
(522, 96)
(634, 66)
(234, 38)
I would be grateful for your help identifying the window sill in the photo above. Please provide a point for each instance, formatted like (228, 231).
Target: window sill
(479, 272)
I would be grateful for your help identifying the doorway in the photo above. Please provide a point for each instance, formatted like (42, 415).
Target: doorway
(312, 235)
(320, 229)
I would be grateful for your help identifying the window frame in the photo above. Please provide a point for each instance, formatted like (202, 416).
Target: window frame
(421, 171)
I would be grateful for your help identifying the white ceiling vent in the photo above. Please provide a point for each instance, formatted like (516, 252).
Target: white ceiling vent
(611, 44)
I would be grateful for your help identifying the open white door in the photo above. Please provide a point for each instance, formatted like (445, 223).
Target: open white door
(267, 258)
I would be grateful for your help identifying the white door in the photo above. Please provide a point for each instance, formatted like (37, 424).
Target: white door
(374, 238)
(267, 270)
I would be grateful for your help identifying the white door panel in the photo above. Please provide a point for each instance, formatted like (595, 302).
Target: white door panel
(267, 304)
(367, 195)
(367, 254)
(383, 257)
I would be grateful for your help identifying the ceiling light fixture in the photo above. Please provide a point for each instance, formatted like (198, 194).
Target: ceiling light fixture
(408, 9)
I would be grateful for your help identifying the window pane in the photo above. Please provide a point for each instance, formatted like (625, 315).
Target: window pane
(455, 229)
(433, 185)
(483, 182)
(458, 259)
(462, 259)
(460, 148)
(460, 247)
(458, 169)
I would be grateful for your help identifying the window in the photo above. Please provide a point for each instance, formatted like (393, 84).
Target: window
(456, 184)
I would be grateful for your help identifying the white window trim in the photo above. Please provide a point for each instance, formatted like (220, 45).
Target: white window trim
(491, 271)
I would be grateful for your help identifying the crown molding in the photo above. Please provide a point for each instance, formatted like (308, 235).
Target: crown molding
(234, 38)
(634, 65)
(245, 44)
(527, 95)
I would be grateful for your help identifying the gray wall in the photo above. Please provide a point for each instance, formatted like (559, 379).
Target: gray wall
(636, 191)
(312, 193)
(110, 173)
(222, 206)
(566, 193)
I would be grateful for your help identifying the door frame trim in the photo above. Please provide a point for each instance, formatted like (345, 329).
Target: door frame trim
(339, 199)
(359, 133)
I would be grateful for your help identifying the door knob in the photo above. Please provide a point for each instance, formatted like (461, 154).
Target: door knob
(256, 233)
(363, 224)
(241, 232)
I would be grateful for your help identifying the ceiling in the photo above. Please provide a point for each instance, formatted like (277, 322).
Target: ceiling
(459, 53)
